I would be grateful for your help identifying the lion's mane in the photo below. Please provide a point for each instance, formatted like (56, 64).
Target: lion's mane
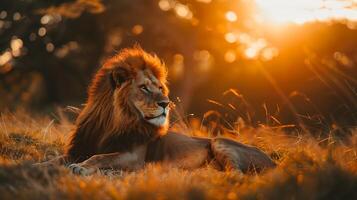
(108, 124)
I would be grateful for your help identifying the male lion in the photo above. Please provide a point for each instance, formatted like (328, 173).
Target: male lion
(125, 121)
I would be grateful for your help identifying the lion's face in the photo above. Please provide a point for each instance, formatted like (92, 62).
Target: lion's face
(150, 98)
(141, 91)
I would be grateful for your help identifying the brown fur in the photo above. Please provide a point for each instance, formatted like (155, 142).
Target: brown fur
(114, 129)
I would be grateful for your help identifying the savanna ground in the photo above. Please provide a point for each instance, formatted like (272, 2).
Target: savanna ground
(308, 167)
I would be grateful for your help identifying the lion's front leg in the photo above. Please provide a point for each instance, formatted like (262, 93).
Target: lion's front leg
(61, 160)
(124, 161)
(94, 163)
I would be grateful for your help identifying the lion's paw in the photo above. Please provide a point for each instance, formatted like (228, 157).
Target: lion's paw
(80, 170)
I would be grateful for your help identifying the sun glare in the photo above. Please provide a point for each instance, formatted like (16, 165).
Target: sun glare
(302, 11)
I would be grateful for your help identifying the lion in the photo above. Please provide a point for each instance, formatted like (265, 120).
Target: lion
(124, 125)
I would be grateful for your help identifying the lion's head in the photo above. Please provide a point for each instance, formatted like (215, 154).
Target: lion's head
(132, 88)
(139, 83)
(127, 104)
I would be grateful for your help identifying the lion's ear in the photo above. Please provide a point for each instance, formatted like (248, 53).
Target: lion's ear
(119, 76)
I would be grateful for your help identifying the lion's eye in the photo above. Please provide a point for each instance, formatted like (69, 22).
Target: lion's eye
(144, 88)
(161, 88)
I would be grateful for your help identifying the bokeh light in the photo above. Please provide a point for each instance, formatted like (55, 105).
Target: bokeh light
(5, 58)
(50, 47)
(42, 31)
(230, 56)
(137, 29)
(16, 16)
(46, 19)
(177, 67)
(231, 16)
(204, 59)
(230, 37)
(269, 53)
(3, 14)
(183, 11)
(164, 5)
(16, 45)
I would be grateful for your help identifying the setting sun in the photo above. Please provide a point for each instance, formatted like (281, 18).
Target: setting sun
(302, 11)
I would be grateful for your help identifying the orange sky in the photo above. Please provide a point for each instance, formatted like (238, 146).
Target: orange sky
(301, 11)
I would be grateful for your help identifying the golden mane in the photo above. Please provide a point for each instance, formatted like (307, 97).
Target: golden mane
(108, 124)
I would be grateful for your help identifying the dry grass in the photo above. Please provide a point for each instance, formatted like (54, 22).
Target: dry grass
(308, 168)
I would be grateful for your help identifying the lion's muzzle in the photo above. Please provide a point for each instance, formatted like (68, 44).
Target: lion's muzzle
(154, 113)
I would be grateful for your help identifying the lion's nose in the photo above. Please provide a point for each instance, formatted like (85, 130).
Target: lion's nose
(163, 104)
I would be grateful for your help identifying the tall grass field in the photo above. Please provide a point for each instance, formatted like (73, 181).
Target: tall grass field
(308, 167)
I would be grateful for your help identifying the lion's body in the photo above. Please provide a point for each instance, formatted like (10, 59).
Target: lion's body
(124, 124)
(192, 152)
